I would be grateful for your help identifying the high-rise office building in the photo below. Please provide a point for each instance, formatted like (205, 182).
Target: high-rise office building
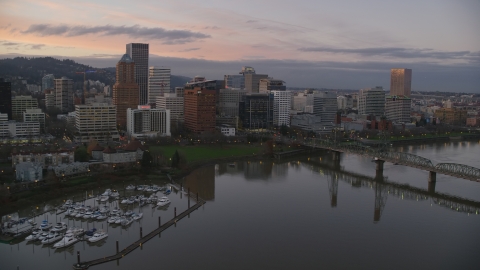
(125, 89)
(371, 101)
(400, 82)
(96, 121)
(146, 122)
(138, 52)
(170, 101)
(345, 102)
(229, 100)
(6, 98)
(158, 83)
(270, 84)
(256, 111)
(234, 81)
(252, 82)
(64, 94)
(325, 106)
(48, 82)
(282, 102)
(199, 101)
(398, 108)
(35, 115)
(22, 103)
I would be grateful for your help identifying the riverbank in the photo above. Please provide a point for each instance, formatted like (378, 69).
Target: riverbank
(197, 156)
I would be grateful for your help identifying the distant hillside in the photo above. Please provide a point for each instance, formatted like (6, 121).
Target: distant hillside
(33, 69)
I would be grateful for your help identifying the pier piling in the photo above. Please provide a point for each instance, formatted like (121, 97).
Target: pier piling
(78, 257)
(141, 235)
(159, 222)
(117, 246)
(175, 211)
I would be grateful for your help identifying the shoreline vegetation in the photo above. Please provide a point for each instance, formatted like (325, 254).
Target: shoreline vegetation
(194, 157)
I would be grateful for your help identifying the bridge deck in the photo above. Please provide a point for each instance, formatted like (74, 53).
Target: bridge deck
(400, 162)
(141, 241)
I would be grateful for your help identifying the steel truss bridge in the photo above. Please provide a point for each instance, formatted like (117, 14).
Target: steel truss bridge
(384, 189)
(401, 158)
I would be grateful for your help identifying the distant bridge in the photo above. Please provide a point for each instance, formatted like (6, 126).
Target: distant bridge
(401, 158)
(383, 189)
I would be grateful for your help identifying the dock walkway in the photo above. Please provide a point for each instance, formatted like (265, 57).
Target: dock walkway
(141, 241)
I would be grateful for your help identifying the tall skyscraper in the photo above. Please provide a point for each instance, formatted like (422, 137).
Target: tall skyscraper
(199, 101)
(125, 89)
(371, 101)
(282, 101)
(252, 82)
(64, 94)
(400, 82)
(6, 98)
(138, 52)
(158, 83)
(229, 100)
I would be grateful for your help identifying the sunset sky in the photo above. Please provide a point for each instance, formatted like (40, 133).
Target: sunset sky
(333, 44)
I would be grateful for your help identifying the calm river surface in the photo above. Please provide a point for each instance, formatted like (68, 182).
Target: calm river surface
(303, 213)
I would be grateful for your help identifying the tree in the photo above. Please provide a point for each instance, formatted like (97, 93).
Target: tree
(81, 154)
(284, 130)
(175, 159)
(146, 159)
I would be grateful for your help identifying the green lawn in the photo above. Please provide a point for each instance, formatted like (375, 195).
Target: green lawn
(206, 152)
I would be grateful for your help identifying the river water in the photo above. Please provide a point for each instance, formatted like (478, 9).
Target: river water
(306, 212)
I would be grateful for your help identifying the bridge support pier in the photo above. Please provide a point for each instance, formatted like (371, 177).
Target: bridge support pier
(432, 177)
(336, 156)
(379, 166)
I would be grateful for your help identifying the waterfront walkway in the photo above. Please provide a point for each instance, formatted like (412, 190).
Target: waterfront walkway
(141, 241)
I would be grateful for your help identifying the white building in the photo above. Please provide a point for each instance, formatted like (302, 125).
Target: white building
(107, 91)
(282, 102)
(174, 103)
(44, 159)
(147, 122)
(35, 115)
(229, 100)
(96, 121)
(325, 106)
(64, 94)
(398, 108)
(371, 101)
(3, 117)
(12, 129)
(227, 130)
(158, 83)
(28, 171)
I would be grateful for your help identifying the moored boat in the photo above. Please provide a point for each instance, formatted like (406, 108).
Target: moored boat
(98, 236)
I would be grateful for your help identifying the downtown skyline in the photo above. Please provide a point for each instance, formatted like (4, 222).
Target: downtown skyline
(311, 44)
